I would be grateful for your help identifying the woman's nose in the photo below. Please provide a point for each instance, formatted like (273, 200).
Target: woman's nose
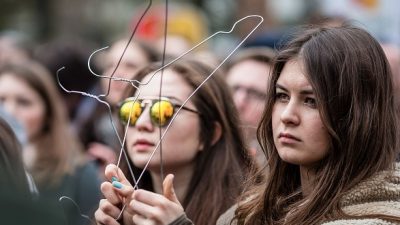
(290, 114)
(240, 99)
(144, 123)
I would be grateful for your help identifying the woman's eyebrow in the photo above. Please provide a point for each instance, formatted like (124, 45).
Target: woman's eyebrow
(280, 87)
(174, 98)
(305, 91)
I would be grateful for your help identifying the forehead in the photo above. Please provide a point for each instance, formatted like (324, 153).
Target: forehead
(250, 73)
(13, 86)
(173, 85)
(133, 52)
(8, 81)
(293, 75)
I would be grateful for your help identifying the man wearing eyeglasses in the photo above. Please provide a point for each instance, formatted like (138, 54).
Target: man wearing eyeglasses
(248, 77)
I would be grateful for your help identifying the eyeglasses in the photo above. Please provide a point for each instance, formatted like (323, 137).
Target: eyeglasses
(251, 93)
(161, 110)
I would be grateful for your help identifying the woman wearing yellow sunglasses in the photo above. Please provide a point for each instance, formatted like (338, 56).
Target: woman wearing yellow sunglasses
(201, 146)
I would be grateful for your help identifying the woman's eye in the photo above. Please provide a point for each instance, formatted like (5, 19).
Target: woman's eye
(24, 102)
(282, 97)
(131, 65)
(311, 102)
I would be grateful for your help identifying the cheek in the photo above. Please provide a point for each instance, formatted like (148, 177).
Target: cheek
(129, 139)
(255, 113)
(184, 139)
(33, 121)
(275, 118)
(320, 139)
(129, 135)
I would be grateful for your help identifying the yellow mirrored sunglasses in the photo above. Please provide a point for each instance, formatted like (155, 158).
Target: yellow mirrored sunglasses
(162, 110)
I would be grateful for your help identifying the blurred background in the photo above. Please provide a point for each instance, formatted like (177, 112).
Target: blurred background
(60, 33)
(63, 33)
(98, 22)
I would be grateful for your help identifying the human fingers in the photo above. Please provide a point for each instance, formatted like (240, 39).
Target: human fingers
(148, 197)
(155, 207)
(122, 189)
(169, 190)
(110, 193)
(154, 199)
(109, 209)
(138, 219)
(144, 210)
(104, 219)
(113, 173)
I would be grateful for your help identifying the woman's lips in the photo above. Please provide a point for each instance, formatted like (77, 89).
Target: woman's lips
(288, 138)
(143, 145)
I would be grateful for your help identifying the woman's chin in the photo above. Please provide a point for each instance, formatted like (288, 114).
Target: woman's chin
(141, 164)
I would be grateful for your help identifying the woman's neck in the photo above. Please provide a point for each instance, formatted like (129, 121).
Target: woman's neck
(307, 177)
(182, 178)
(29, 155)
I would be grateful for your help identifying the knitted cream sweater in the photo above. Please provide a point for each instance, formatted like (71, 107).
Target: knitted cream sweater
(380, 194)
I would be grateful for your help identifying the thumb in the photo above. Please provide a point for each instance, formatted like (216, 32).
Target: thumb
(168, 189)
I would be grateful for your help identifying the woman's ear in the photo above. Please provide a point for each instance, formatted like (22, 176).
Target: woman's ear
(217, 133)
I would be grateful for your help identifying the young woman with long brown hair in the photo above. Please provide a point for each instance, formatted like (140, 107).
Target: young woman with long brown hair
(203, 149)
(329, 132)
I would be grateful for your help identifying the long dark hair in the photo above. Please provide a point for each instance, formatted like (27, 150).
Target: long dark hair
(12, 170)
(352, 82)
(221, 167)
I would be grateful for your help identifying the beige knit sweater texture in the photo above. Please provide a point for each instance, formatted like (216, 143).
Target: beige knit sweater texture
(379, 194)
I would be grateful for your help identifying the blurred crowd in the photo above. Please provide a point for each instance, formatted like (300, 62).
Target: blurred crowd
(60, 129)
